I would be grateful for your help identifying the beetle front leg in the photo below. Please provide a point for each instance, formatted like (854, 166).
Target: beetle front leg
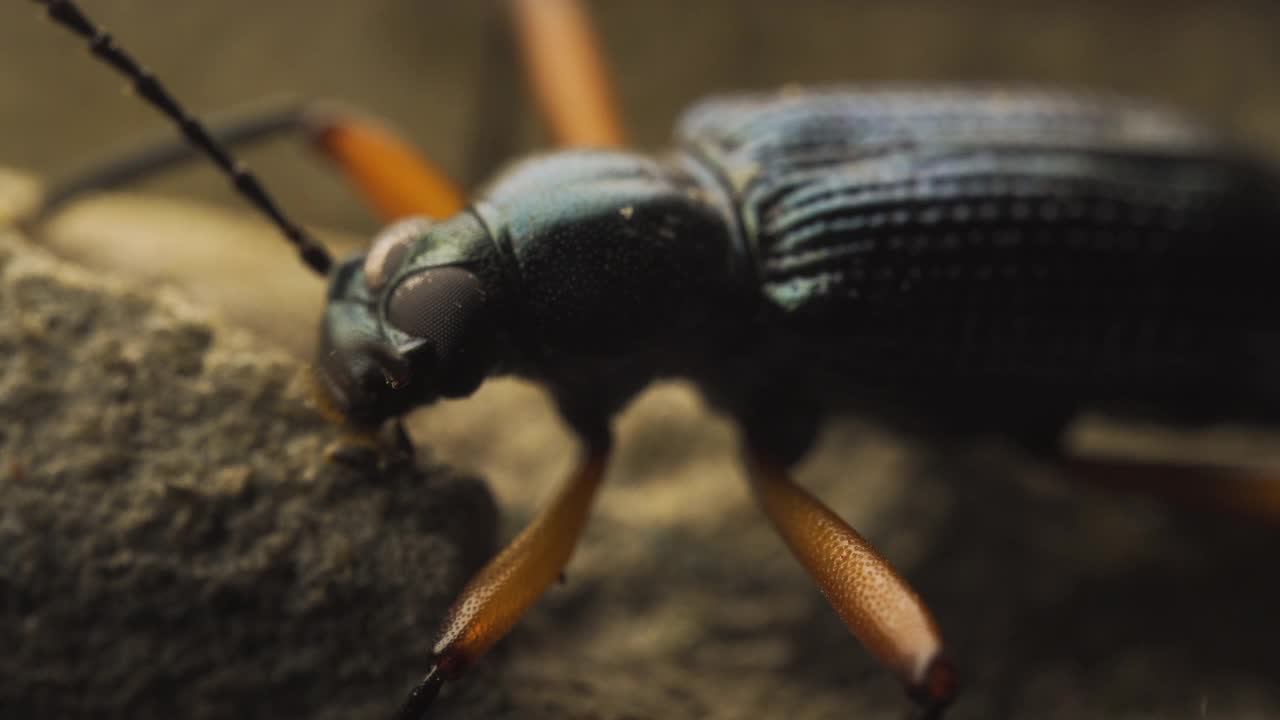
(876, 604)
(493, 601)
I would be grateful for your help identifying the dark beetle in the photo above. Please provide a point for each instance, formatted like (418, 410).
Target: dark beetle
(959, 261)
(971, 260)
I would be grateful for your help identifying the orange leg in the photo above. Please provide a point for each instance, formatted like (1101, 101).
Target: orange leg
(877, 605)
(567, 73)
(1249, 493)
(492, 603)
(394, 178)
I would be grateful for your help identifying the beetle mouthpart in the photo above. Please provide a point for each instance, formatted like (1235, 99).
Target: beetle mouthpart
(363, 386)
(384, 369)
(325, 396)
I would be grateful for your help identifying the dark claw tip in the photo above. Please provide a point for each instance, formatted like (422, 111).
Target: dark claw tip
(935, 691)
(420, 698)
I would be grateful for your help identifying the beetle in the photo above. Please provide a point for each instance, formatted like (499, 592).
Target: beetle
(968, 260)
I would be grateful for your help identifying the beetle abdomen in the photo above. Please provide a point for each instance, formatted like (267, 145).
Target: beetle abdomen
(1099, 251)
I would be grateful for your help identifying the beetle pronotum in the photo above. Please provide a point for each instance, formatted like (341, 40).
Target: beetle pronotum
(976, 260)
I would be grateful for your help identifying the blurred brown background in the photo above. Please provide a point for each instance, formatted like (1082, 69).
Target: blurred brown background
(422, 63)
(1059, 602)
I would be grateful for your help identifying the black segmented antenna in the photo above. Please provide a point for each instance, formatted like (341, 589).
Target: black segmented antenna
(65, 13)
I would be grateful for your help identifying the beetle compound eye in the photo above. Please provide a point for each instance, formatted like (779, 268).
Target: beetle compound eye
(445, 306)
(389, 249)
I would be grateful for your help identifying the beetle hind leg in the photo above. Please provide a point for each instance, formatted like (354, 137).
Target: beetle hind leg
(1252, 493)
(1190, 473)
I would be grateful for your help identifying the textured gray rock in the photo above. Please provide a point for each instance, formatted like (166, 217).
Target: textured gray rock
(172, 542)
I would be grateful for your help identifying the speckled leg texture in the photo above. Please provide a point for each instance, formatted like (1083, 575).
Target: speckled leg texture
(877, 605)
(492, 603)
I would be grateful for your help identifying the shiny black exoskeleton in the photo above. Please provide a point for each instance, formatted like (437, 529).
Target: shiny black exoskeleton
(976, 260)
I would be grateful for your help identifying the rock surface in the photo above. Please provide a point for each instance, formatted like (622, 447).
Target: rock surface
(172, 542)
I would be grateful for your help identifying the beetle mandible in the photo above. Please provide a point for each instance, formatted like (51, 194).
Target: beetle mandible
(974, 260)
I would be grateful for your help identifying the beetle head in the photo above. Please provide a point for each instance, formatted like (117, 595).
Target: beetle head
(406, 324)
